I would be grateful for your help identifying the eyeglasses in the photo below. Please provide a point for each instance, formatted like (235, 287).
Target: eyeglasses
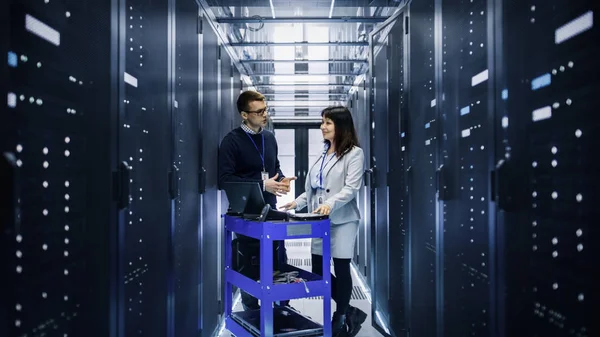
(259, 112)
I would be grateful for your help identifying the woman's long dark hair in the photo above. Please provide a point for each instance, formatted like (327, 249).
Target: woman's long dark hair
(345, 134)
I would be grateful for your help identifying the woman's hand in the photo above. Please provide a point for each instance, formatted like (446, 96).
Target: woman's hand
(323, 209)
(289, 205)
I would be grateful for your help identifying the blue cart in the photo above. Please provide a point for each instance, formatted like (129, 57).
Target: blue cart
(261, 322)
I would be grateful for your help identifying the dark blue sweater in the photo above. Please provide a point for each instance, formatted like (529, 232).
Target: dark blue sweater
(239, 160)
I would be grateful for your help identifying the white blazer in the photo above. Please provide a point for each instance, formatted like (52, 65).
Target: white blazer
(343, 180)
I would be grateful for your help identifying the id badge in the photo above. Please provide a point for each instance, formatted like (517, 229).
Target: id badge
(320, 198)
(264, 175)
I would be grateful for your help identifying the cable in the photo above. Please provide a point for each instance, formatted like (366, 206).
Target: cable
(290, 277)
(262, 24)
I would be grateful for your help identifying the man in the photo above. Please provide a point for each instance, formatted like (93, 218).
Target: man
(249, 153)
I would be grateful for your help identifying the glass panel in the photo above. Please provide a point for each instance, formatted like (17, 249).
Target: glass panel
(288, 164)
(285, 142)
(287, 160)
(320, 104)
(284, 33)
(318, 33)
(315, 145)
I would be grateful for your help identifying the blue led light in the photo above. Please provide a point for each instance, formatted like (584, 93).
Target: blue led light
(12, 59)
(542, 81)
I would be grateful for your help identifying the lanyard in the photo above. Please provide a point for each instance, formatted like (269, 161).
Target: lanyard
(262, 155)
(321, 170)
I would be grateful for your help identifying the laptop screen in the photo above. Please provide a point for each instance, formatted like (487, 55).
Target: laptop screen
(244, 197)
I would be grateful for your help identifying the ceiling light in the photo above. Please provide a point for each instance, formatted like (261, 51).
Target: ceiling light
(331, 8)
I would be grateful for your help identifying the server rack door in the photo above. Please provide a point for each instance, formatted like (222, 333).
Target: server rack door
(229, 93)
(548, 181)
(397, 192)
(57, 217)
(229, 116)
(185, 169)
(237, 89)
(422, 145)
(379, 190)
(145, 146)
(362, 120)
(388, 190)
(210, 214)
(466, 146)
(359, 121)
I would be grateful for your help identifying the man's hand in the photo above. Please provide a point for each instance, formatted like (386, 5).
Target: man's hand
(287, 181)
(275, 187)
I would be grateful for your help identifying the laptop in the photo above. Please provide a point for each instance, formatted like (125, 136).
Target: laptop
(308, 216)
(246, 200)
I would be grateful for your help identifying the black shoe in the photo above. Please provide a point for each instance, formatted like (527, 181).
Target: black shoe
(338, 325)
(354, 319)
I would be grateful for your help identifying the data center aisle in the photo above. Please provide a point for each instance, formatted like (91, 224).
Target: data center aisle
(299, 255)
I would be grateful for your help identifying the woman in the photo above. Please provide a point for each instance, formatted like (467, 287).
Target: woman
(332, 187)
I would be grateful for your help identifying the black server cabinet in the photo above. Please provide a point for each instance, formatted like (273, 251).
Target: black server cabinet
(422, 146)
(389, 198)
(378, 162)
(185, 170)
(209, 144)
(398, 208)
(229, 117)
(360, 111)
(237, 89)
(144, 152)
(466, 154)
(229, 93)
(57, 223)
(548, 181)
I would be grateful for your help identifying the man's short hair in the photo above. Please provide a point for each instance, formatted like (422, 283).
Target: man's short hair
(246, 97)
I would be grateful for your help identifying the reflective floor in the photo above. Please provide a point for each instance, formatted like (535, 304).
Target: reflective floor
(299, 256)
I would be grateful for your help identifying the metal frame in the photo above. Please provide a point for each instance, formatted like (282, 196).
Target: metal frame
(266, 291)
(171, 94)
(307, 74)
(296, 121)
(439, 204)
(301, 85)
(202, 15)
(211, 48)
(303, 101)
(6, 212)
(305, 19)
(206, 11)
(312, 94)
(300, 43)
(496, 239)
(308, 61)
(117, 78)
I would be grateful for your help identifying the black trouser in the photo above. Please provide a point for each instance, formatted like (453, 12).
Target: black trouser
(250, 249)
(341, 284)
